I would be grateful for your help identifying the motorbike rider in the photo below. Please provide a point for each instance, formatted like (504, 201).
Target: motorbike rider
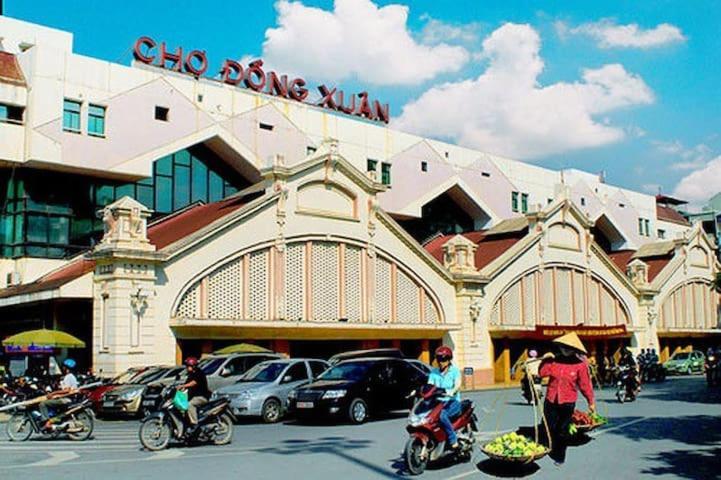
(197, 387)
(58, 398)
(567, 373)
(448, 377)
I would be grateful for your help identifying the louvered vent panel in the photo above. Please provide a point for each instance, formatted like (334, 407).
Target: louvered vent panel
(529, 299)
(429, 311)
(225, 292)
(547, 297)
(294, 291)
(189, 304)
(383, 290)
(258, 286)
(407, 301)
(325, 281)
(563, 297)
(353, 284)
(512, 305)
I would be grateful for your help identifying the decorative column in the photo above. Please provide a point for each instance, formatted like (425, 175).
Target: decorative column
(125, 332)
(646, 336)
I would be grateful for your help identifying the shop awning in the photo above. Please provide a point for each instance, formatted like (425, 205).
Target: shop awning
(549, 332)
(43, 338)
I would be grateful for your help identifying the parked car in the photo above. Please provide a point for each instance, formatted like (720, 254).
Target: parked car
(685, 363)
(263, 390)
(223, 370)
(371, 353)
(152, 394)
(422, 366)
(355, 389)
(95, 395)
(126, 400)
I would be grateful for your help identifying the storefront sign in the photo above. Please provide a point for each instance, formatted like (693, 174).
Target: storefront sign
(28, 349)
(253, 77)
(581, 331)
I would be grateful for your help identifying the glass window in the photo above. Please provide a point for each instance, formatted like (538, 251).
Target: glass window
(96, 120)
(59, 230)
(104, 195)
(125, 190)
(199, 187)
(371, 165)
(296, 373)
(386, 173)
(524, 202)
(145, 196)
(229, 189)
(317, 368)
(640, 226)
(71, 115)
(183, 158)
(514, 201)
(647, 227)
(163, 194)
(37, 228)
(181, 187)
(11, 113)
(164, 166)
(662, 234)
(215, 187)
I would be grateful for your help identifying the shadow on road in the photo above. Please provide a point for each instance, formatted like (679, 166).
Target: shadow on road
(337, 446)
(702, 430)
(507, 470)
(692, 464)
(683, 389)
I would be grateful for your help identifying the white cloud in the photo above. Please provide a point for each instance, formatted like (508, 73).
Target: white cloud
(608, 34)
(437, 31)
(357, 39)
(505, 110)
(689, 158)
(698, 186)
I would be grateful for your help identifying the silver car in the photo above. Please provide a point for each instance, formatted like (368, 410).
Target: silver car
(222, 370)
(263, 390)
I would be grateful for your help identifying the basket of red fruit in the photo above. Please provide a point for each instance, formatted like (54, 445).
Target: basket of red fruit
(585, 422)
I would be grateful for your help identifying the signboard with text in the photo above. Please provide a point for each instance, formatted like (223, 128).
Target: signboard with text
(254, 77)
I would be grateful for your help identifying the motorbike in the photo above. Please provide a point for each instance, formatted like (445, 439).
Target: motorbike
(75, 419)
(427, 440)
(654, 373)
(627, 384)
(167, 422)
(531, 397)
(713, 373)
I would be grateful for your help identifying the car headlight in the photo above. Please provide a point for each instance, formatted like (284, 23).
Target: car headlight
(334, 394)
(246, 395)
(131, 395)
(292, 394)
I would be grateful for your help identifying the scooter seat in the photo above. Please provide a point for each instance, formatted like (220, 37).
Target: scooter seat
(466, 405)
(211, 404)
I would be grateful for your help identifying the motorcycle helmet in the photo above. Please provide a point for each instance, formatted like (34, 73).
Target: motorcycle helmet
(191, 362)
(69, 363)
(532, 353)
(444, 353)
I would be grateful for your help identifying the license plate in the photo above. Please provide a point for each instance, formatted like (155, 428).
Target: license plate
(107, 404)
(147, 403)
(304, 404)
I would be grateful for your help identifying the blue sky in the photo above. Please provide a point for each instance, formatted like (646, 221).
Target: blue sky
(631, 88)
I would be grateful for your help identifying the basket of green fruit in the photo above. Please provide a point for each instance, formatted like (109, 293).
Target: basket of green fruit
(585, 422)
(513, 447)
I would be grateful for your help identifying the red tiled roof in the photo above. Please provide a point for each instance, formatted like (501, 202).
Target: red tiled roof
(172, 228)
(668, 214)
(54, 279)
(10, 71)
(489, 248)
(655, 264)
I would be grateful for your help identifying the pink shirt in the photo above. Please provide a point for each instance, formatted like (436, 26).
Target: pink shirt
(565, 379)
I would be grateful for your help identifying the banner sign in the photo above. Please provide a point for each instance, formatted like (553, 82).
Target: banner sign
(253, 77)
(581, 331)
(28, 349)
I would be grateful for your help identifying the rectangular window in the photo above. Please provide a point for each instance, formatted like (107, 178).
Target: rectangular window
(104, 323)
(199, 186)
(424, 166)
(583, 201)
(386, 173)
(96, 120)
(524, 202)
(215, 187)
(647, 227)
(71, 116)
(661, 234)
(640, 226)
(514, 201)
(181, 187)
(163, 194)
(310, 150)
(11, 114)
(265, 126)
(485, 174)
(162, 113)
(371, 165)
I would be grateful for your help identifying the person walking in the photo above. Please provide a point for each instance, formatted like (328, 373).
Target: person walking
(567, 373)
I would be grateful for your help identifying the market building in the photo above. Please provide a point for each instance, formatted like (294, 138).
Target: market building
(154, 213)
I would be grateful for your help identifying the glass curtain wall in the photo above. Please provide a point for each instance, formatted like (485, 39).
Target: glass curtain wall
(60, 221)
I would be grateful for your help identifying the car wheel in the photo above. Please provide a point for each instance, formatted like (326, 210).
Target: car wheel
(271, 412)
(358, 411)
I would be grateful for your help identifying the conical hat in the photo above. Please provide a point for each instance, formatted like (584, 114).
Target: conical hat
(571, 340)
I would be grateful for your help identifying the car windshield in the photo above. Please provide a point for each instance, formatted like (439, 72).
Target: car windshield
(353, 371)
(125, 377)
(263, 372)
(151, 376)
(210, 365)
(680, 356)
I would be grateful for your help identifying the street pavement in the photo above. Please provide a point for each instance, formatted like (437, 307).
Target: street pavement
(672, 431)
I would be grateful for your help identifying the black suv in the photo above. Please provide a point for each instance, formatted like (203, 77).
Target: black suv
(354, 389)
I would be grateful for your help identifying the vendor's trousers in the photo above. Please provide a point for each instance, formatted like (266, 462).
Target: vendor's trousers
(558, 416)
(53, 406)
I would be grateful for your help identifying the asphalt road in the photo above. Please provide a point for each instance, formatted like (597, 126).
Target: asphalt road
(672, 431)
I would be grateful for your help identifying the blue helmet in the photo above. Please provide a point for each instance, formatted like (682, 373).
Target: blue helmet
(69, 362)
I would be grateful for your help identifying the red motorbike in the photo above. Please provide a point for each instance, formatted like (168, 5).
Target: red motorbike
(427, 441)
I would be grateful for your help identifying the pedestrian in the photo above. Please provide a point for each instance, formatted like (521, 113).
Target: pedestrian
(567, 373)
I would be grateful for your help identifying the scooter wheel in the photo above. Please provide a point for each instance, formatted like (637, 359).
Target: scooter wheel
(412, 454)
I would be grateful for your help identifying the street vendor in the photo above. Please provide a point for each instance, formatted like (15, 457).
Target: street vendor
(567, 373)
(56, 399)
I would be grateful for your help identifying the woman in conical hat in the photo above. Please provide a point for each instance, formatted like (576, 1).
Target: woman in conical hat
(567, 373)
